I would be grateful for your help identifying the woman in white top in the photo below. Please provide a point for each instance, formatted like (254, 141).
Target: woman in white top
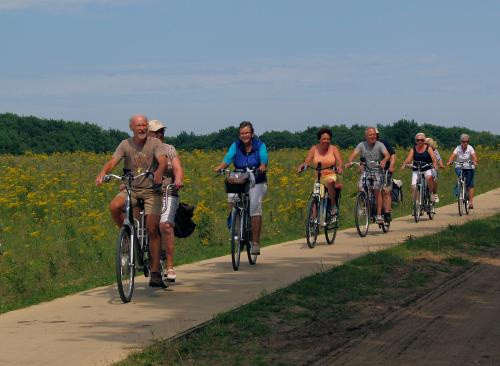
(464, 153)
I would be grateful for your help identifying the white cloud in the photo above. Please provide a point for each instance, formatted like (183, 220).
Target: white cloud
(354, 73)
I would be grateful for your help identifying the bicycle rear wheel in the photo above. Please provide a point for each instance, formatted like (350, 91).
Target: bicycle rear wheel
(386, 224)
(236, 238)
(312, 225)
(466, 201)
(362, 214)
(331, 232)
(125, 268)
(333, 222)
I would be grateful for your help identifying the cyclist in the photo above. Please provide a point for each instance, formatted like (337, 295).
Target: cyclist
(141, 154)
(464, 153)
(422, 153)
(174, 174)
(250, 152)
(433, 144)
(372, 151)
(387, 175)
(328, 155)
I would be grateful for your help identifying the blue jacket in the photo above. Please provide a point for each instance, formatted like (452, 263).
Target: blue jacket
(241, 159)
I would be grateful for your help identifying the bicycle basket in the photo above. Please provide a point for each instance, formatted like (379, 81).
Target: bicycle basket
(237, 182)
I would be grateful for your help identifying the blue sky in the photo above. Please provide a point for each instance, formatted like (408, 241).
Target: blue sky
(284, 65)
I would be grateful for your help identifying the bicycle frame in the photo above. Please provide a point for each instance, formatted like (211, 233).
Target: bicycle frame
(423, 202)
(463, 193)
(241, 235)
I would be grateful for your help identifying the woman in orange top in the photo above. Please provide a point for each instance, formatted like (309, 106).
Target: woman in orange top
(328, 155)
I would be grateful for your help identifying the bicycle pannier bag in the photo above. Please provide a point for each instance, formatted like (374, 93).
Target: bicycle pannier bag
(238, 182)
(396, 193)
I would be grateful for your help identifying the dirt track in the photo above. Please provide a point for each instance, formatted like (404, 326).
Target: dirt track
(94, 328)
(455, 324)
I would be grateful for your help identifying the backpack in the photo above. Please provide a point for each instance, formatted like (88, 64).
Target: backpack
(183, 223)
(397, 192)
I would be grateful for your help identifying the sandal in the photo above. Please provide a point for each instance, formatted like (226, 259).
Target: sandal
(171, 275)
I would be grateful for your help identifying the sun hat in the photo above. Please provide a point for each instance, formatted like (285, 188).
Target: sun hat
(156, 125)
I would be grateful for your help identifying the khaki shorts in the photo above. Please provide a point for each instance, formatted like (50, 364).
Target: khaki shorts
(152, 200)
(328, 177)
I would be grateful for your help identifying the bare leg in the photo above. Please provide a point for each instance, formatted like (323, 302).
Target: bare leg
(330, 184)
(116, 208)
(430, 184)
(378, 197)
(152, 222)
(167, 235)
(256, 228)
(471, 194)
(387, 200)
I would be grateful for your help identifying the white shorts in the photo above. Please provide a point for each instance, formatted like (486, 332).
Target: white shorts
(256, 194)
(414, 175)
(169, 205)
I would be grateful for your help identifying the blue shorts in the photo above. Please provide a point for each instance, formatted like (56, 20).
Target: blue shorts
(468, 175)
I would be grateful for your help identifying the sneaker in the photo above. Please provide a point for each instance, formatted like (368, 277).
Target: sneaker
(156, 280)
(255, 249)
(380, 219)
(171, 275)
(436, 198)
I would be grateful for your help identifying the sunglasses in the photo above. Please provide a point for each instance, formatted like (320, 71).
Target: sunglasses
(465, 140)
(419, 140)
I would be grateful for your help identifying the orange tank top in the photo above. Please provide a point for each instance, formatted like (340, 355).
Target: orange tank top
(327, 159)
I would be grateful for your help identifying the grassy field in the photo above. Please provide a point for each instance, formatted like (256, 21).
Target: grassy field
(56, 236)
(306, 321)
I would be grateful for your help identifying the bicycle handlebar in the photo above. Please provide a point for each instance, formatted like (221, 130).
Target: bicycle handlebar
(319, 168)
(123, 177)
(420, 165)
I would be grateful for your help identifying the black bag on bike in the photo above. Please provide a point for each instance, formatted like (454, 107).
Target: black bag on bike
(396, 193)
(183, 223)
(237, 182)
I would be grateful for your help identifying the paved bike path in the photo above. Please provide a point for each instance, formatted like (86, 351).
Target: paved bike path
(95, 328)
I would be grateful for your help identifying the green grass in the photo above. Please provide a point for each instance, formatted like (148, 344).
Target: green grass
(324, 301)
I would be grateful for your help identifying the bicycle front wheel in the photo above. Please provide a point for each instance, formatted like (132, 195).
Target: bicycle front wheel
(417, 208)
(466, 200)
(312, 224)
(461, 199)
(125, 268)
(362, 214)
(236, 238)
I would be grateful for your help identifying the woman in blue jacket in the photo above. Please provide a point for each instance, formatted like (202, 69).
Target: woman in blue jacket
(250, 152)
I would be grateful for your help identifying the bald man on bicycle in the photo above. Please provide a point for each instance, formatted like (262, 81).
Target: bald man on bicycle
(141, 153)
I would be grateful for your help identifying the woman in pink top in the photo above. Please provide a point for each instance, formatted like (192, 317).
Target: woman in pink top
(329, 156)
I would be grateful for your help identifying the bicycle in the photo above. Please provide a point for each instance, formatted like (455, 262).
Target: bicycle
(129, 258)
(318, 210)
(422, 197)
(365, 210)
(239, 182)
(463, 192)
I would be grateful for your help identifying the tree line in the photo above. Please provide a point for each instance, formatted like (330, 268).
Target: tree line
(401, 133)
(19, 134)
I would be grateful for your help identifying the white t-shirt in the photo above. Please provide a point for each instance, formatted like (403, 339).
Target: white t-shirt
(463, 156)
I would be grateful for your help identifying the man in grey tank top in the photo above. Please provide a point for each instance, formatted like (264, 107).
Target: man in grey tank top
(376, 156)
